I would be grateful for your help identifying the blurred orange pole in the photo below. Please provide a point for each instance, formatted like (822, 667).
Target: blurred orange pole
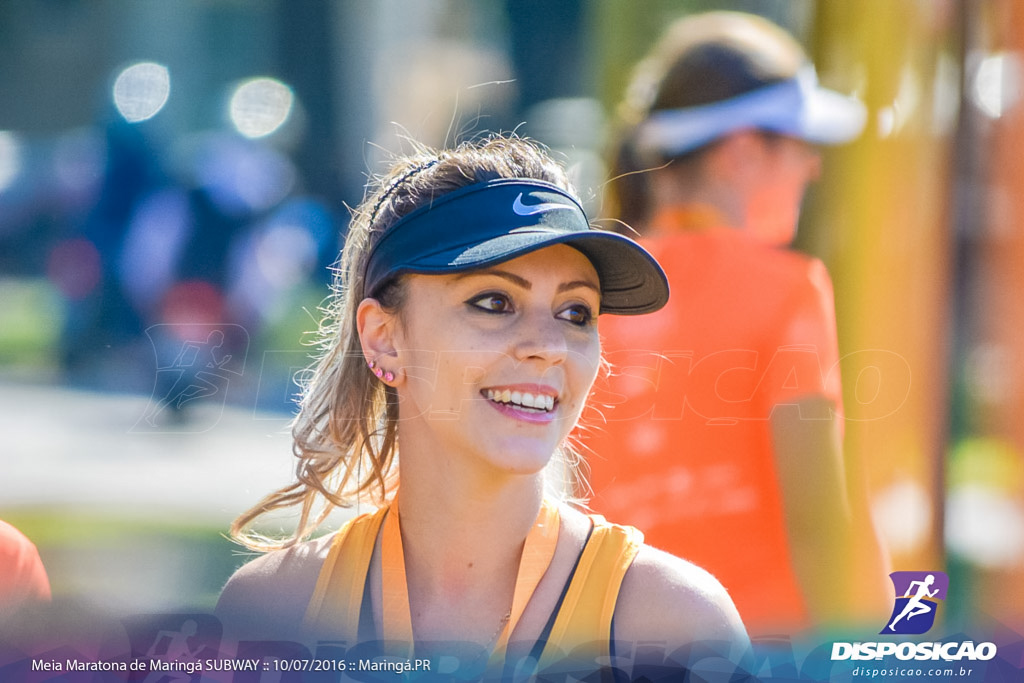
(881, 214)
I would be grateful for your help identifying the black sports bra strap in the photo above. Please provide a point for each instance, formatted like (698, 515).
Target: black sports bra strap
(542, 640)
(366, 631)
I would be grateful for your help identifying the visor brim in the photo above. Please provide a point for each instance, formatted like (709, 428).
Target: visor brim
(632, 282)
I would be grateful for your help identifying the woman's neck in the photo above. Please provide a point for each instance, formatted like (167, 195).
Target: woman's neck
(669, 193)
(453, 538)
(462, 551)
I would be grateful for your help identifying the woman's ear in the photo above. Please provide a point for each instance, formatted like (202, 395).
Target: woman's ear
(377, 328)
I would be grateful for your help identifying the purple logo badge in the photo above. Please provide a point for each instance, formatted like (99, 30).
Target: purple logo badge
(917, 596)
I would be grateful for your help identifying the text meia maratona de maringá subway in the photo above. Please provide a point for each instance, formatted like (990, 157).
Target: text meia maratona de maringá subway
(188, 666)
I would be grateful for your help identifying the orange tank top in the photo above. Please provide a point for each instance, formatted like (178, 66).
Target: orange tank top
(339, 607)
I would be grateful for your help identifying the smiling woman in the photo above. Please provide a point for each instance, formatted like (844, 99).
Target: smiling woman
(498, 342)
(463, 331)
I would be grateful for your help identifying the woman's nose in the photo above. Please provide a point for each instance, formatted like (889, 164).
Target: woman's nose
(540, 336)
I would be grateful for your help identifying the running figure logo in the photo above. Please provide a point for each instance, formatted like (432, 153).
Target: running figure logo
(917, 596)
(195, 364)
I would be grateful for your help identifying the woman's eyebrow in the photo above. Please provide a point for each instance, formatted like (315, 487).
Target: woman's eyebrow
(524, 283)
(565, 286)
(512, 277)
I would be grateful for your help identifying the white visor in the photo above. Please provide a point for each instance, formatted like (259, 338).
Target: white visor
(797, 107)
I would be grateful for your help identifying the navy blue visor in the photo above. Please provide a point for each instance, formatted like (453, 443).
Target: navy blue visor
(492, 222)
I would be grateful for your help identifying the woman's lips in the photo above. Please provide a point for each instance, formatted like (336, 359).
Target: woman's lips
(533, 402)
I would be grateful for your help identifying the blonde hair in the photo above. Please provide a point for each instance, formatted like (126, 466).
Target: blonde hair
(345, 433)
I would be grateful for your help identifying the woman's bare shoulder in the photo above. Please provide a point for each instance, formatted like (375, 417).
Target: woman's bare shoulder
(664, 598)
(272, 591)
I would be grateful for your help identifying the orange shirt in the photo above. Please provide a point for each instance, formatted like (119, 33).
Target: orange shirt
(685, 453)
(22, 576)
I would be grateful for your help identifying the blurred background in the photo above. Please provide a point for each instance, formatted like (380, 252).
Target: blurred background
(174, 180)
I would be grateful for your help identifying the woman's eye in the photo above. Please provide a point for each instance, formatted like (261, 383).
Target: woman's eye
(492, 303)
(578, 315)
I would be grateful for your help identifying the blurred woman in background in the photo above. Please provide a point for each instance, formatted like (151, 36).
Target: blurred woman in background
(723, 441)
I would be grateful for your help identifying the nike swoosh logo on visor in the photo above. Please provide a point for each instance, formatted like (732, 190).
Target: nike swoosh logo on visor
(531, 209)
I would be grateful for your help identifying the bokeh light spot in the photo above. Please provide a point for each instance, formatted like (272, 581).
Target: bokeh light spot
(997, 84)
(10, 159)
(286, 255)
(259, 106)
(985, 525)
(192, 305)
(73, 266)
(903, 512)
(141, 91)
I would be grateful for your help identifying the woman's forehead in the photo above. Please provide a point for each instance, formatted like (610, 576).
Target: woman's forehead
(559, 262)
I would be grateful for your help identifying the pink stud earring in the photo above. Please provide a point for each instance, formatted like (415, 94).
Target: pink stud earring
(379, 372)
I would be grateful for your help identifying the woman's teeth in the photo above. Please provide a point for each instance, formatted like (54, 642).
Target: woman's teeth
(540, 402)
